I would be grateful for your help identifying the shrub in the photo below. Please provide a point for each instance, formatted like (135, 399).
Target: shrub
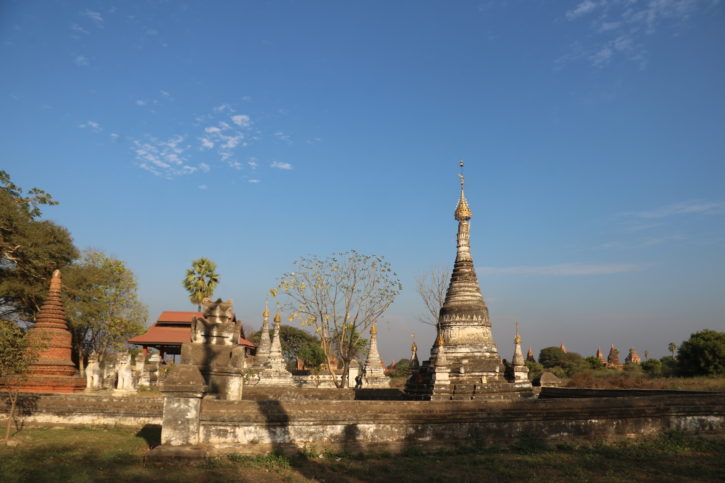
(652, 367)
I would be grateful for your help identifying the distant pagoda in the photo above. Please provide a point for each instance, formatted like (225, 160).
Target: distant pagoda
(464, 362)
(54, 370)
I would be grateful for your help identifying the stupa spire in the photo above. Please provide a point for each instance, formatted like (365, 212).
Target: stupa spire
(265, 343)
(464, 294)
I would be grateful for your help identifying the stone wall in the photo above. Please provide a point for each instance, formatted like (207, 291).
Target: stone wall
(85, 410)
(261, 426)
(256, 426)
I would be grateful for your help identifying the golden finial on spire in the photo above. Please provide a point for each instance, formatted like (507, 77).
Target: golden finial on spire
(373, 329)
(463, 212)
(277, 318)
(265, 314)
(517, 337)
(439, 342)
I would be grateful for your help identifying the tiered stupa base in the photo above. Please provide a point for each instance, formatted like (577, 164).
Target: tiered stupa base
(436, 384)
(269, 376)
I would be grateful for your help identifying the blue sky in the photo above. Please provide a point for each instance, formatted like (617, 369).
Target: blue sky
(253, 133)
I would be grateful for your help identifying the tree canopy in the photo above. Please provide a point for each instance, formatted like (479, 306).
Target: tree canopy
(703, 354)
(297, 343)
(101, 304)
(30, 249)
(553, 357)
(340, 296)
(201, 280)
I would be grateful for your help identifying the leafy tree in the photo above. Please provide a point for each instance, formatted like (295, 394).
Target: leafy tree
(535, 369)
(201, 280)
(703, 354)
(101, 305)
(297, 343)
(569, 362)
(17, 353)
(432, 288)
(341, 297)
(30, 249)
(594, 362)
(402, 368)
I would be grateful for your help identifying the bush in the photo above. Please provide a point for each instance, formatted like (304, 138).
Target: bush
(652, 367)
(703, 354)
(594, 362)
(669, 366)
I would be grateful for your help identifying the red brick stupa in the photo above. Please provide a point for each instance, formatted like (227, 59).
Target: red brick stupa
(53, 371)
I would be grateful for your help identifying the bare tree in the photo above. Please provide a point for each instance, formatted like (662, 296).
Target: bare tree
(432, 287)
(341, 297)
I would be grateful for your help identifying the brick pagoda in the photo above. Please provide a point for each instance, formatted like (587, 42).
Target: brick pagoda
(53, 371)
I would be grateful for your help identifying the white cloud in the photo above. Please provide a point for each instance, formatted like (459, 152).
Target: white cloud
(241, 120)
(682, 208)
(254, 180)
(203, 167)
(140, 102)
(167, 158)
(77, 28)
(620, 28)
(95, 16)
(283, 137)
(583, 8)
(212, 129)
(203, 187)
(81, 60)
(563, 269)
(206, 143)
(252, 164)
(115, 136)
(165, 93)
(92, 125)
(279, 165)
(223, 108)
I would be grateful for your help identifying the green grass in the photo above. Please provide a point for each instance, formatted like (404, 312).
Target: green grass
(117, 454)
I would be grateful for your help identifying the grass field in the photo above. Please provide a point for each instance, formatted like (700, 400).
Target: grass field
(117, 454)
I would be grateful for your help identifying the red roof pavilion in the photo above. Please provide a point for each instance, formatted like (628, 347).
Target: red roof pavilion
(171, 330)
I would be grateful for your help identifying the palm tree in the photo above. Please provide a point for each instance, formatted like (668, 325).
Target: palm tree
(672, 347)
(201, 280)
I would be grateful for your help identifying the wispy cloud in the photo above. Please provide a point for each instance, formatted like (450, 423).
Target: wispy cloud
(93, 15)
(564, 269)
(202, 187)
(254, 180)
(81, 61)
(619, 28)
(279, 165)
(92, 125)
(643, 243)
(681, 208)
(167, 158)
(241, 120)
(283, 136)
